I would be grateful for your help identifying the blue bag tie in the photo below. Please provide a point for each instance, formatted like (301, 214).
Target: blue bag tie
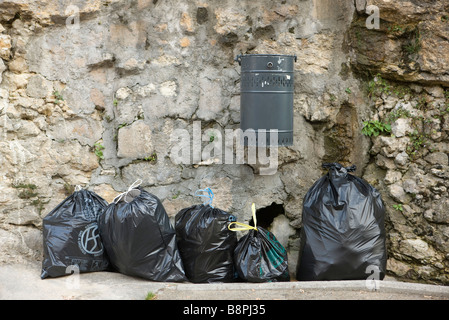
(209, 196)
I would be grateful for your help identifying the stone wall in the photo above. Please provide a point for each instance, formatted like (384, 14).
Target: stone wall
(92, 91)
(405, 67)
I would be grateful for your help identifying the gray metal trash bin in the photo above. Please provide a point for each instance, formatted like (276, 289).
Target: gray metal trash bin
(266, 100)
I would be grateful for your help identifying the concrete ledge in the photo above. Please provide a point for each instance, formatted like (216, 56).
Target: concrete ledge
(23, 282)
(386, 289)
(385, 285)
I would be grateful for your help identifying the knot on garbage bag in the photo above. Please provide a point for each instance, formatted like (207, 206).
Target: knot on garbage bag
(338, 166)
(123, 195)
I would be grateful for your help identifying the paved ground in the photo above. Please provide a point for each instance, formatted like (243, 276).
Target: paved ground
(22, 282)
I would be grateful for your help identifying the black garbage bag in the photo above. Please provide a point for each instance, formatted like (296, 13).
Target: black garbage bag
(139, 239)
(259, 257)
(71, 237)
(343, 233)
(205, 242)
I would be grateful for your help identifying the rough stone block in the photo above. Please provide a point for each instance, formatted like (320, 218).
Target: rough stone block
(437, 158)
(2, 68)
(5, 46)
(134, 141)
(39, 87)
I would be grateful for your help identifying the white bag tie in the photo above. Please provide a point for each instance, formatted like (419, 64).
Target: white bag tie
(136, 183)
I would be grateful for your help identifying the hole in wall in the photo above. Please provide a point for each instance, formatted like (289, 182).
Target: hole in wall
(266, 215)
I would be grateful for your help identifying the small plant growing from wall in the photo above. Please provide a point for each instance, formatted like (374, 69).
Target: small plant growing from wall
(99, 150)
(417, 142)
(377, 86)
(58, 97)
(415, 43)
(27, 190)
(375, 128)
(151, 158)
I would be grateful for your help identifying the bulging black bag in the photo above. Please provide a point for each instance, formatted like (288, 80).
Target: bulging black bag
(205, 242)
(259, 257)
(71, 238)
(138, 237)
(343, 233)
